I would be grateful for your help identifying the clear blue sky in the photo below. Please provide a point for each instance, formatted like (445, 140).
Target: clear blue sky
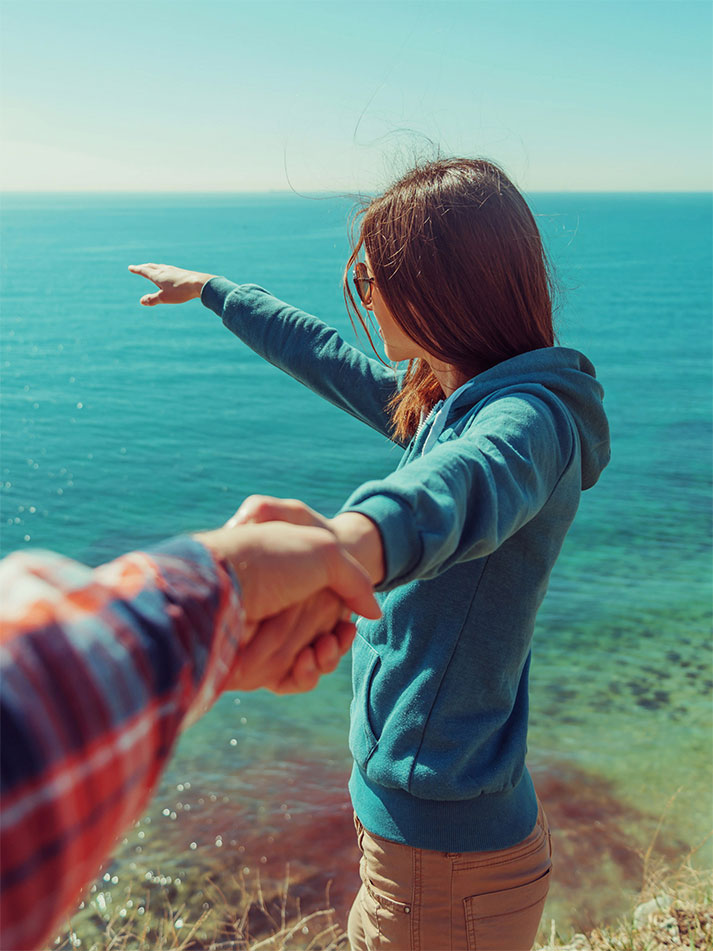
(241, 96)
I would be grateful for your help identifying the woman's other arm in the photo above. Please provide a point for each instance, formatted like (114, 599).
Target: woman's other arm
(299, 344)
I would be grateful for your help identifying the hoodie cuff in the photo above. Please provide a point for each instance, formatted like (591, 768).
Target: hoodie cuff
(401, 544)
(214, 293)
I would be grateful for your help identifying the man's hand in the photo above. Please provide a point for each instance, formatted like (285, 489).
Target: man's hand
(175, 286)
(280, 565)
(299, 587)
(355, 532)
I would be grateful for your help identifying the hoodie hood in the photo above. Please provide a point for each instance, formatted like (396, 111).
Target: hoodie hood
(568, 376)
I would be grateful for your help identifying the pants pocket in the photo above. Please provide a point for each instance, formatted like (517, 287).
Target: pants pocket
(393, 921)
(377, 921)
(506, 920)
(381, 914)
(363, 924)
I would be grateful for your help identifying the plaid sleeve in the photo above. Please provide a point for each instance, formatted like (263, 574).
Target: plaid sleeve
(100, 670)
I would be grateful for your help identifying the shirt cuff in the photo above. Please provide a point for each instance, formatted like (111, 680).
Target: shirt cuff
(228, 621)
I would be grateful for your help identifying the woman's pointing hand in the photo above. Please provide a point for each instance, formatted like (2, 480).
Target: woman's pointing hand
(175, 285)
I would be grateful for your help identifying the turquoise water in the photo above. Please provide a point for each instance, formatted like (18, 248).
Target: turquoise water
(122, 425)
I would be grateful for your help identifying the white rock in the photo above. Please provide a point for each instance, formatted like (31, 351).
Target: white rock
(649, 908)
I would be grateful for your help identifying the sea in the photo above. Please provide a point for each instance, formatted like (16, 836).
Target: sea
(123, 425)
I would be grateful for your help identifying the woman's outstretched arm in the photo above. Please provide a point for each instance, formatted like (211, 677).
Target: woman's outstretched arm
(302, 345)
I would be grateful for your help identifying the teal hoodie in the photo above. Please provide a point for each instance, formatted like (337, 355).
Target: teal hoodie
(471, 530)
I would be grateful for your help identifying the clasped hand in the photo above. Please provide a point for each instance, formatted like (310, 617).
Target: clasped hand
(298, 589)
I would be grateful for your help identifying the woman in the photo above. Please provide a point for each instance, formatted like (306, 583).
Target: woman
(502, 431)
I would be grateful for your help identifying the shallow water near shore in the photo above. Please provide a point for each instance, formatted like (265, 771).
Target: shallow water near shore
(122, 425)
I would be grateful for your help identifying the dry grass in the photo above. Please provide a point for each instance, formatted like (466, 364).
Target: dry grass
(674, 912)
(275, 925)
(674, 909)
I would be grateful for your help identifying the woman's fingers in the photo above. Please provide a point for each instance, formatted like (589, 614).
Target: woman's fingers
(327, 653)
(265, 508)
(315, 617)
(345, 632)
(275, 651)
(145, 270)
(154, 273)
(261, 656)
(318, 659)
(303, 677)
(278, 640)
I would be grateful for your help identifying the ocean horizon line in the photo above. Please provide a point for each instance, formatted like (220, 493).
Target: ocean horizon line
(326, 193)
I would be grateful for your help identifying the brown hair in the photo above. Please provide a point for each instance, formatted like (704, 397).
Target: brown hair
(459, 262)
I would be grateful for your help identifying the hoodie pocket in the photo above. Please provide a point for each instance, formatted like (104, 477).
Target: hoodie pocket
(365, 663)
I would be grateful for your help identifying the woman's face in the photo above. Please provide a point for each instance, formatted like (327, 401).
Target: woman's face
(397, 345)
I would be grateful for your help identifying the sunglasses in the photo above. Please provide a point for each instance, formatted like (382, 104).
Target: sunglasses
(362, 283)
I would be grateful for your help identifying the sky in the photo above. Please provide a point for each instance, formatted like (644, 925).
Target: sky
(330, 95)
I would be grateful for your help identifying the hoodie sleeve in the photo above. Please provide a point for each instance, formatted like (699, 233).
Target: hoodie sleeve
(470, 493)
(307, 349)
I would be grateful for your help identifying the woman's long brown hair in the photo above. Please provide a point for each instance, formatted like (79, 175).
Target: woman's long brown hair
(459, 261)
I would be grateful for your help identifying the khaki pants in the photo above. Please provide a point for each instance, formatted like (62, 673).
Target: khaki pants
(421, 900)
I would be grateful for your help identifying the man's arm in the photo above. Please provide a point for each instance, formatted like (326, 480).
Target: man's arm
(102, 669)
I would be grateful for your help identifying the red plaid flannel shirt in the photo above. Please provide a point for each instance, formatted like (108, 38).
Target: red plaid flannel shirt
(100, 671)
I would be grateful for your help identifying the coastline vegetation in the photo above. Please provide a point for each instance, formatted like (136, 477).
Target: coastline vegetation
(674, 911)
